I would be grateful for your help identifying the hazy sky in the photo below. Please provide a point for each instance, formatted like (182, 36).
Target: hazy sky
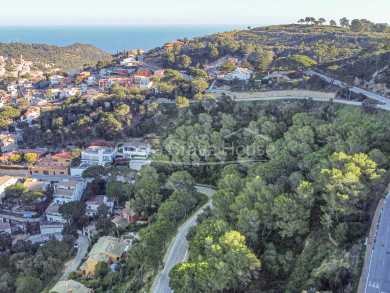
(250, 12)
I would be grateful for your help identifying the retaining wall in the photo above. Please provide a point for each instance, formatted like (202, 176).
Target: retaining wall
(292, 93)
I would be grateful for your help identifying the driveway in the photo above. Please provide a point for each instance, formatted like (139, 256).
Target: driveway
(180, 247)
(83, 248)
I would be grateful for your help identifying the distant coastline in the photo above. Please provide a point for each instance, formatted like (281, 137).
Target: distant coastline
(108, 38)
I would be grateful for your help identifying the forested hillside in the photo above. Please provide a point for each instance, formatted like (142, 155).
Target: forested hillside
(302, 201)
(66, 57)
(292, 207)
(356, 49)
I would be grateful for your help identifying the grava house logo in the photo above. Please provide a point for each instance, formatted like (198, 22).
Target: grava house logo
(229, 150)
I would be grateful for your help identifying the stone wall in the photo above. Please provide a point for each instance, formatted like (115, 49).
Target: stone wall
(14, 172)
(372, 86)
(290, 93)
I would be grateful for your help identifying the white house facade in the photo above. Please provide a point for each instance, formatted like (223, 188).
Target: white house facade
(53, 215)
(239, 73)
(67, 191)
(6, 181)
(96, 201)
(135, 150)
(98, 155)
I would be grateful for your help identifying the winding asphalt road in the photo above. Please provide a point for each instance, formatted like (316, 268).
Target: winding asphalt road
(354, 103)
(180, 247)
(83, 248)
(378, 277)
(353, 88)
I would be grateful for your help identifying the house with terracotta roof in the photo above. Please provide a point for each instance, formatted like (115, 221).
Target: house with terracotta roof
(234, 60)
(108, 249)
(136, 52)
(143, 71)
(159, 73)
(169, 46)
(106, 83)
(31, 114)
(129, 214)
(67, 81)
(57, 164)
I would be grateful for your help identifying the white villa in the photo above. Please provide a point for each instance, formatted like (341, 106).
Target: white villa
(55, 79)
(98, 155)
(240, 73)
(135, 150)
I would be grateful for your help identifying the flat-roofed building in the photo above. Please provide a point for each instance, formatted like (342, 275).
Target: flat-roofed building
(98, 155)
(67, 191)
(53, 215)
(134, 149)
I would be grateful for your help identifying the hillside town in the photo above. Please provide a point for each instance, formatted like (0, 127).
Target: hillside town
(39, 185)
(35, 183)
(57, 175)
(223, 163)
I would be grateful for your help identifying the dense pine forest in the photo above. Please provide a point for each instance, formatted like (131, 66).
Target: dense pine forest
(288, 217)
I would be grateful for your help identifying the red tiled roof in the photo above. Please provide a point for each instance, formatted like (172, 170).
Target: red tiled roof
(63, 155)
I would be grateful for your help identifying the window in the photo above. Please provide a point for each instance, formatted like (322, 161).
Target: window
(55, 160)
(36, 172)
(61, 172)
(68, 161)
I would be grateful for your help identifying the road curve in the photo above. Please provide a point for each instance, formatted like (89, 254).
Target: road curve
(351, 88)
(180, 246)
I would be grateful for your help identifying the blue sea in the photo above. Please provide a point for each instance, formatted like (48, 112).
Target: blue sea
(109, 38)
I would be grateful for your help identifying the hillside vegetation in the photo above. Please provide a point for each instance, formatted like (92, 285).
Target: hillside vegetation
(69, 57)
(346, 52)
